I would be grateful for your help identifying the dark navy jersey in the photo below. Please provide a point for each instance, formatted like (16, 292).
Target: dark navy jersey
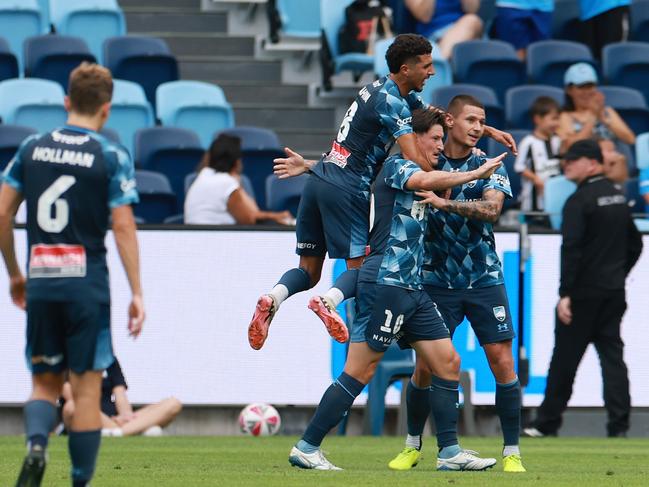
(70, 178)
(377, 117)
(397, 235)
(461, 252)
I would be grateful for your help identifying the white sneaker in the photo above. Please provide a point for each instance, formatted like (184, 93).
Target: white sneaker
(465, 460)
(112, 432)
(533, 433)
(154, 430)
(314, 461)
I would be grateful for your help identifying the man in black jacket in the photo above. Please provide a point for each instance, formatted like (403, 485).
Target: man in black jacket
(600, 246)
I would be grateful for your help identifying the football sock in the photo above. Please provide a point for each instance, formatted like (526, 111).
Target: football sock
(335, 403)
(83, 447)
(413, 441)
(418, 409)
(449, 451)
(508, 407)
(344, 287)
(444, 397)
(292, 282)
(306, 447)
(40, 419)
(511, 450)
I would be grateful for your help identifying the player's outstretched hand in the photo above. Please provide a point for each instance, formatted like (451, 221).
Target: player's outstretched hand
(506, 139)
(490, 166)
(136, 316)
(17, 291)
(287, 167)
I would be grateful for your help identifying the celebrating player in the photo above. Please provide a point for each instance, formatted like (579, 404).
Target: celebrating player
(73, 181)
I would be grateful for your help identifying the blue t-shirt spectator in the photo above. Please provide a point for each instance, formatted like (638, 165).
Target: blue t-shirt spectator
(591, 8)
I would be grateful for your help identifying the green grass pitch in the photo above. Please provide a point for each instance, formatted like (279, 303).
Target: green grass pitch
(247, 461)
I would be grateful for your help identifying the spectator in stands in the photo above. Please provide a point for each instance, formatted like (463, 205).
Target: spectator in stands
(522, 22)
(603, 22)
(217, 198)
(117, 415)
(538, 152)
(447, 22)
(615, 163)
(585, 113)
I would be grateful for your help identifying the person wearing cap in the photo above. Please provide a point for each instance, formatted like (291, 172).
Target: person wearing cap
(600, 246)
(585, 113)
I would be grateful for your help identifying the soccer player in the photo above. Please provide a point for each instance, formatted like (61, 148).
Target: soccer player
(73, 180)
(463, 275)
(333, 216)
(391, 304)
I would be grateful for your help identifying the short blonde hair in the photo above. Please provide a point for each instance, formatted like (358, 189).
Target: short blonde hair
(90, 86)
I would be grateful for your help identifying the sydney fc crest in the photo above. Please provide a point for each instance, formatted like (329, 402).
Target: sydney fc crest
(500, 313)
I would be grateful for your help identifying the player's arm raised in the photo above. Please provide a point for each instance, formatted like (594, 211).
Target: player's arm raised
(10, 200)
(440, 180)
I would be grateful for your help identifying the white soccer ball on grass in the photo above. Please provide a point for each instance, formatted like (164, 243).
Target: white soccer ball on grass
(259, 419)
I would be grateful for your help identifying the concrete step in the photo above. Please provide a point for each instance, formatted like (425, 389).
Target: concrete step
(219, 68)
(284, 116)
(160, 4)
(264, 93)
(155, 20)
(188, 44)
(307, 141)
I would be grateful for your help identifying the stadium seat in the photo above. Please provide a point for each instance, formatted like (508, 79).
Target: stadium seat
(557, 190)
(259, 147)
(627, 64)
(8, 61)
(143, 60)
(53, 57)
(332, 17)
(245, 183)
(547, 61)
(642, 224)
(44, 7)
(494, 149)
(19, 19)
(130, 111)
(634, 199)
(630, 104)
(639, 28)
(111, 135)
(11, 136)
(194, 105)
(565, 20)
(284, 194)
(32, 102)
(519, 99)
(300, 18)
(171, 151)
(157, 200)
(93, 20)
(395, 364)
(402, 19)
(642, 151)
(490, 63)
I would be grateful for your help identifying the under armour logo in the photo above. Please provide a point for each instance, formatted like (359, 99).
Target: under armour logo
(503, 327)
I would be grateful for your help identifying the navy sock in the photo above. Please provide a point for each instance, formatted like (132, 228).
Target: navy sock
(418, 406)
(40, 419)
(346, 283)
(83, 447)
(444, 397)
(335, 403)
(508, 407)
(296, 280)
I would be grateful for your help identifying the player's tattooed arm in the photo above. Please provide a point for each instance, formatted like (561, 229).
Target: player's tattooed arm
(487, 209)
(291, 165)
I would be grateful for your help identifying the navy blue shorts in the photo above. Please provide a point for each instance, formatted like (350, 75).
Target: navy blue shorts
(385, 313)
(522, 27)
(68, 335)
(330, 220)
(487, 309)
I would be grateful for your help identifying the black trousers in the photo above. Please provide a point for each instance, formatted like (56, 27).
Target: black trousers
(595, 321)
(605, 28)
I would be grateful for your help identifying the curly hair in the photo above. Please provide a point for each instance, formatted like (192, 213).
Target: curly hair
(404, 48)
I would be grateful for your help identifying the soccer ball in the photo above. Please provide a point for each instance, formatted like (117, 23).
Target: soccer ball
(259, 419)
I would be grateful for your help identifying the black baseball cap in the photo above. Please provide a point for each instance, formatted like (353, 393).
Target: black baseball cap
(584, 148)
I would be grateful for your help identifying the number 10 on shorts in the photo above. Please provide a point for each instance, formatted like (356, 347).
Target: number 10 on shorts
(387, 326)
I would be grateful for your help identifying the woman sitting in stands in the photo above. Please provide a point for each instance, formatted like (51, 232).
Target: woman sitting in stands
(217, 198)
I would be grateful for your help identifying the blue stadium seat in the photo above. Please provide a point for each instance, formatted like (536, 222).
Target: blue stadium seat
(547, 61)
(146, 61)
(93, 20)
(380, 63)
(555, 193)
(519, 99)
(194, 105)
(642, 151)
(402, 20)
(32, 102)
(627, 64)
(634, 199)
(130, 112)
(639, 29)
(11, 136)
(245, 183)
(491, 63)
(284, 194)
(395, 364)
(53, 57)
(259, 147)
(300, 18)
(19, 19)
(157, 200)
(630, 104)
(332, 17)
(8, 61)
(494, 149)
(111, 135)
(642, 224)
(44, 6)
(172, 151)
(565, 20)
